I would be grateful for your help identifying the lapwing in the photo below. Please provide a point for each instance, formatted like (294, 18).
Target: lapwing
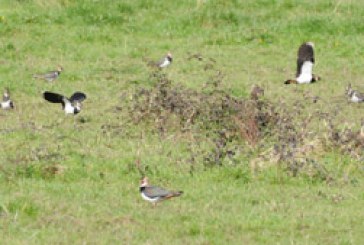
(7, 103)
(354, 95)
(164, 62)
(51, 75)
(70, 105)
(305, 62)
(155, 194)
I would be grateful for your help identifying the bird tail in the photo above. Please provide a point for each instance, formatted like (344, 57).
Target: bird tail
(290, 82)
(38, 76)
(175, 194)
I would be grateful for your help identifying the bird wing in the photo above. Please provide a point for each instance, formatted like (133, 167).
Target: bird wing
(161, 62)
(47, 75)
(78, 96)
(53, 97)
(299, 66)
(51, 75)
(305, 53)
(360, 96)
(155, 191)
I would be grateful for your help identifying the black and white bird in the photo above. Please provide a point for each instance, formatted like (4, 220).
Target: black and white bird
(354, 95)
(164, 62)
(51, 75)
(305, 63)
(155, 194)
(70, 105)
(7, 103)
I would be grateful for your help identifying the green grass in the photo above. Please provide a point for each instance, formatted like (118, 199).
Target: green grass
(101, 45)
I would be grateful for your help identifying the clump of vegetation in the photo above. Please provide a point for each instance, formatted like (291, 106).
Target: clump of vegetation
(347, 140)
(279, 134)
(172, 105)
(212, 115)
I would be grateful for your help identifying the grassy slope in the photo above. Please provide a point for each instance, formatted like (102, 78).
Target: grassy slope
(101, 45)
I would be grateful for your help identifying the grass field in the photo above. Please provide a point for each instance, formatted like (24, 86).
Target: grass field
(74, 180)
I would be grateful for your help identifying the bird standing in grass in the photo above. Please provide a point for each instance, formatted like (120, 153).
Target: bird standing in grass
(51, 75)
(7, 103)
(354, 95)
(155, 194)
(164, 62)
(70, 105)
(305, 62)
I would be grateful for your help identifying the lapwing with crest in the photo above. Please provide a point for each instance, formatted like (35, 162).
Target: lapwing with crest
(354, 95)
(7, 103)
(164, 62)
(155, 194)
(70, 105)
(305, 63)
(50, 76)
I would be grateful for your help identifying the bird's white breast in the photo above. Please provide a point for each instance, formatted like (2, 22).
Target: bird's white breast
(355, 98)
(306, 73)
(68, 108)
(145, 197)
(6, 104)
(165, 63)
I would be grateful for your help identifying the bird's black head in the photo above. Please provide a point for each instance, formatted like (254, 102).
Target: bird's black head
(169, 56)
